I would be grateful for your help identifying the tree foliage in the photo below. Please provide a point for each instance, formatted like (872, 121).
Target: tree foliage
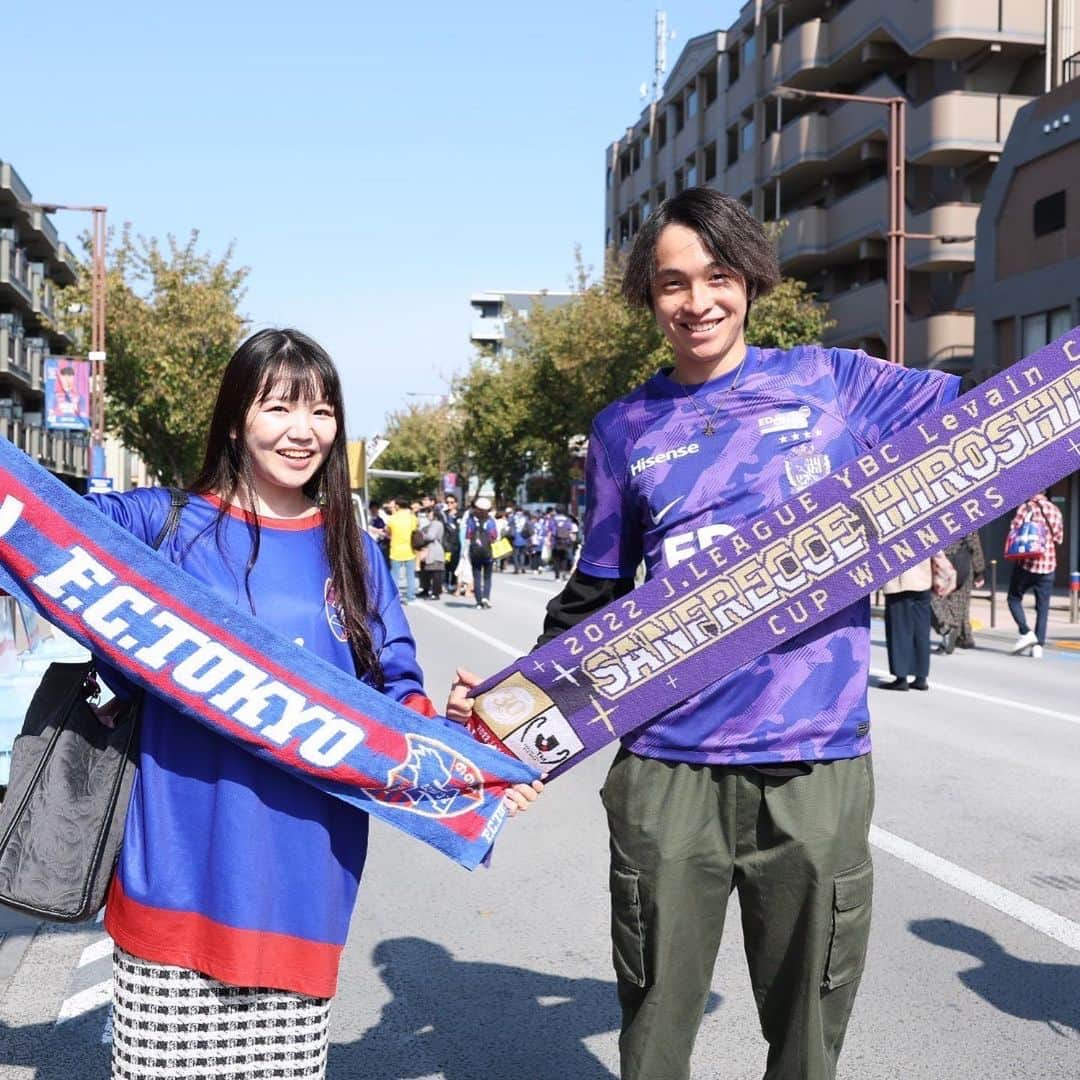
(171, 325)
(422, 439)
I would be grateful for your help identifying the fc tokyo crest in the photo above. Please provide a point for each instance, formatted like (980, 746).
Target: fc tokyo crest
(424, 782)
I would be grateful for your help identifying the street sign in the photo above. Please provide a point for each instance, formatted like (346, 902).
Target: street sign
(374, 447)
(98, 485)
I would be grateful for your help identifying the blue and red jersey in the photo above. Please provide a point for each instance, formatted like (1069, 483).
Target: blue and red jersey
(231, 866)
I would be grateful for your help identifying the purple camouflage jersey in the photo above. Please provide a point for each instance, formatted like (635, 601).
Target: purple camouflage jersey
(659, 489)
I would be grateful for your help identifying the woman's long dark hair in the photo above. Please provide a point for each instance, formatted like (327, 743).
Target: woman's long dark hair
(288, 363)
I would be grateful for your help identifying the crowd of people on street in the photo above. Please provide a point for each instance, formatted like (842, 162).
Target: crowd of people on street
(455, 552)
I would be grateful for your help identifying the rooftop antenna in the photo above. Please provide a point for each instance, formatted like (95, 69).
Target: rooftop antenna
(663, 36)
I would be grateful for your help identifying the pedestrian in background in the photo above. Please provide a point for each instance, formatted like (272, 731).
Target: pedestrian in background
(480, 533)
(433, 555)
(451, 541)
(907, 628)
(400, 527)
(520, 535)
(1035, 573)
(376, 528)
(564, 532)
(950, 615)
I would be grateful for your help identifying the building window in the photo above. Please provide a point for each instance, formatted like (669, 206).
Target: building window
(691, 101)
(1038, 330)
(661, 130)
(661, 193)
(734, 67)
(678, 110)
(748, 136)
(710, 162)
(710, 85)
(748, 51)
(732, 146)
(1049, 214)
(679, 181)
(635, 156)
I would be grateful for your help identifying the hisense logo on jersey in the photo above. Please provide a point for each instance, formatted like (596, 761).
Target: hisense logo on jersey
(644, 463)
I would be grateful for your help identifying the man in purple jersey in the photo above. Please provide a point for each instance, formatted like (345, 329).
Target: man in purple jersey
(763, 781)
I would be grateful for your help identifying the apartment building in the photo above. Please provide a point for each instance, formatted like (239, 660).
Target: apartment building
(494, 313)
(34, 263)
(965, 68)
(1027, 270)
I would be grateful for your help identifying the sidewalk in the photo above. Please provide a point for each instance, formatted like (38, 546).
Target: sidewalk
(1060, 633)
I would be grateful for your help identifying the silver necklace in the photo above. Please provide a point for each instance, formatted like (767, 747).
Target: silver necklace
(710, 427)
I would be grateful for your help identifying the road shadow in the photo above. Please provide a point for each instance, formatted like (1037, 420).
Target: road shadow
(58, 1051)
(467, 1019)
(1049, 993)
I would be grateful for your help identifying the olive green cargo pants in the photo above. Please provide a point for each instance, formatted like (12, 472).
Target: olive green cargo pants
(796, 848)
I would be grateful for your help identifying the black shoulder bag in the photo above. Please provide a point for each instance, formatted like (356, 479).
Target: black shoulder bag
(62, 820)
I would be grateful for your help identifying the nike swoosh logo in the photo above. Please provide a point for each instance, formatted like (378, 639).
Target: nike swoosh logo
(658, 517)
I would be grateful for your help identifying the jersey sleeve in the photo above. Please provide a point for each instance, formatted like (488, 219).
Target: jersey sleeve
(612, 547)
(878, 399)
(141, 512)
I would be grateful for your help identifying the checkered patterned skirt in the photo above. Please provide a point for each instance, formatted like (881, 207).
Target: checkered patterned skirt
(171, 1022)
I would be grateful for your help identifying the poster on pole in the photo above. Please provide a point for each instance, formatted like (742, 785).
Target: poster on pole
(67, 393)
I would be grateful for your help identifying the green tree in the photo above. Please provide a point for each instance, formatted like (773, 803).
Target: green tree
(496, 439)
(171, 325)
(788, 316)
(422, 439)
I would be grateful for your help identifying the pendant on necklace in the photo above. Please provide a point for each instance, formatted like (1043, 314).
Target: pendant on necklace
(709, 429)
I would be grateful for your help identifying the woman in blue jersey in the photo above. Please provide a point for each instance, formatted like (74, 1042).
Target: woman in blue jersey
(236, 882)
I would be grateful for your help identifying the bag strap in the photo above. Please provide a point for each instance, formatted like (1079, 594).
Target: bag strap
(178, 499)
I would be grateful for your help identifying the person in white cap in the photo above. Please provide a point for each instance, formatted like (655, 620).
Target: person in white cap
(480, 534)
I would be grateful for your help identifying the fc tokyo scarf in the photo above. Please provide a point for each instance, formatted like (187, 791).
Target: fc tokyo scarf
(793, 566)
(217, 664)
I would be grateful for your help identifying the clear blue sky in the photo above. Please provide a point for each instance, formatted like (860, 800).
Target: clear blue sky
(374, 164)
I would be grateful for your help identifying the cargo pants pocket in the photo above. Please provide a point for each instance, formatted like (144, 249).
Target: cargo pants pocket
(627, 926)
(852, 901)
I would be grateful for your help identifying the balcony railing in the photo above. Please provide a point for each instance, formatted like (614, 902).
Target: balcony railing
(1070, 67)
(488, 329)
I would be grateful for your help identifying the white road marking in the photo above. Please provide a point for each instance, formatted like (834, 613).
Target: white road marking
(98, 951)
(1008, 903)
(532, 588)
(1019, 706)
(487, 639)
(85, 1001)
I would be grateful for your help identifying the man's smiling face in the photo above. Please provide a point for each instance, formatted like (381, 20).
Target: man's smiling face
(699, 305)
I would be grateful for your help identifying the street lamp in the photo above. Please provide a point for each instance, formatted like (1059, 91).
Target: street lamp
(897, 143)
(97, 328)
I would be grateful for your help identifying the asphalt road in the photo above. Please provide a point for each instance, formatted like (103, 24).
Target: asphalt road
(974, 967)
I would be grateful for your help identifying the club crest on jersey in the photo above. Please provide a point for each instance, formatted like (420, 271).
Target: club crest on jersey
(333, 612)
(418, 783)
(804, 469)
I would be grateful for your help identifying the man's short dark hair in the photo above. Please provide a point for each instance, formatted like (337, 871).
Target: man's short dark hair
(732, 235)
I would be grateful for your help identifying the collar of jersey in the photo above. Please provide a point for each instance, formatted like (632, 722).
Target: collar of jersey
(721, 382)
(312, 521)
